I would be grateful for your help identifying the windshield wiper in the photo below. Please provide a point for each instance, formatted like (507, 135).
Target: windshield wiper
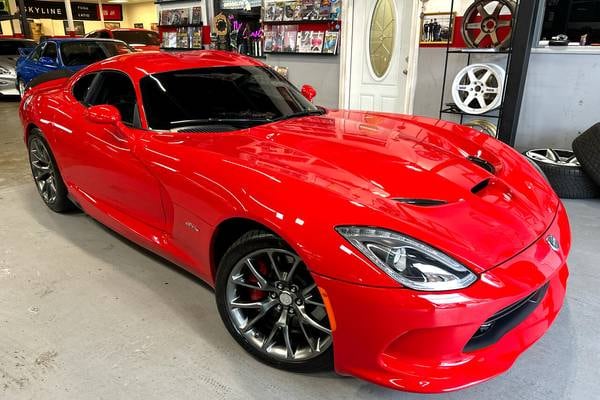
(305, 113)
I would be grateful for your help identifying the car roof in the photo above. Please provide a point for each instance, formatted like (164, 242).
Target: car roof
(62, 40)
(140, 64)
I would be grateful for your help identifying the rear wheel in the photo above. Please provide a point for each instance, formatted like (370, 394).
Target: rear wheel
(271, 305)
(45, 173)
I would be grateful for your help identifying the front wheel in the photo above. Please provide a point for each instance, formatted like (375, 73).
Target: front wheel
(271, 305)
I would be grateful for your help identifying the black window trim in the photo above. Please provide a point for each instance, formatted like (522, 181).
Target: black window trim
(97, 83)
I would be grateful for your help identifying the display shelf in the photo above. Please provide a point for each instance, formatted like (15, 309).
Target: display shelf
(199, 24)
(452, 111)
(175, 1)
(295, 53)
(444, 109)
(303, 21)
(479, 51)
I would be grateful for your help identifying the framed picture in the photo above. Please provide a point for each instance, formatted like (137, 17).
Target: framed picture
(437, 28)
(154, 26)
(138, 25)
(112, 25)
(79, 29)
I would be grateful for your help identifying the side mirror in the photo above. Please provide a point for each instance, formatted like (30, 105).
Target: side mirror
(103, 114)
(47, 61)
(309, 92)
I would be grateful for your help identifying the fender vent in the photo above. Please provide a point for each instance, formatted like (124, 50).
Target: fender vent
(421, 202)
(483, 164)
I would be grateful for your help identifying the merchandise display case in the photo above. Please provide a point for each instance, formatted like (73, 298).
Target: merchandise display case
(302, 26)
(182, 24)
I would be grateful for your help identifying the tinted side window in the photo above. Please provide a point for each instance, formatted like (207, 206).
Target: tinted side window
(50, 50)
(82, 86)
(35, 55)
(116, 89)
(88, 52)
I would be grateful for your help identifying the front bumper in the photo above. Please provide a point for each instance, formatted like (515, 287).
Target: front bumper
(415, 341)
(8, 85)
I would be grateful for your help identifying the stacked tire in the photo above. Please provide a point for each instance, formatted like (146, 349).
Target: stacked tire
(573, 174)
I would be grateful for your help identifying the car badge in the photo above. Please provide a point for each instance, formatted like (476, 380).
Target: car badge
(554, 245)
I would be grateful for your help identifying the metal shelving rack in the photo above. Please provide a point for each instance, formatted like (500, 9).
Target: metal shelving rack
(448, 110)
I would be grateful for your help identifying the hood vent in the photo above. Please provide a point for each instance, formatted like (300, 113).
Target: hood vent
(206, 129)
(480, 186)
(483, 164)
(421, 202)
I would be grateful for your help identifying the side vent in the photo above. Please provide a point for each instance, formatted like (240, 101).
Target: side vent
(421, 202)
(483, 164)
(480, 186)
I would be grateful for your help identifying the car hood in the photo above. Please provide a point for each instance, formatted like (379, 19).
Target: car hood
(456, 189)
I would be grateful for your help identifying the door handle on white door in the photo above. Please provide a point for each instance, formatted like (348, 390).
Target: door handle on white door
(405, 72)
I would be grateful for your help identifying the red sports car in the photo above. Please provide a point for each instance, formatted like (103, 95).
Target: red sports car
(413, 253)
(140, 39)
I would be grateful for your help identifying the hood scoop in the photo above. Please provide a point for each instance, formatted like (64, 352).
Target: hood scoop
(421, 202)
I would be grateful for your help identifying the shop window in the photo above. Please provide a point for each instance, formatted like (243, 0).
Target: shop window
(381, 36)
(574, 18)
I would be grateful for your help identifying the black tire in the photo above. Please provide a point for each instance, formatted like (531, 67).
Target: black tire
(587, 149)
(249, 243)
(569, 182)
(60, 203)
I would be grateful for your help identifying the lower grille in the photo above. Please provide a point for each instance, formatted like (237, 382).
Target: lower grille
(495, 327)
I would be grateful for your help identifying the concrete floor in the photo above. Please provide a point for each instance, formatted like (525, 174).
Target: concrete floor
(87, 315)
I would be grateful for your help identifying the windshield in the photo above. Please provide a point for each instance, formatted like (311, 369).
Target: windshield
(244, 95)
(11, 47)
(88, 52)
(137, 37)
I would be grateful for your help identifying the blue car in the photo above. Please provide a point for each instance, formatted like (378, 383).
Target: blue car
(68, 55)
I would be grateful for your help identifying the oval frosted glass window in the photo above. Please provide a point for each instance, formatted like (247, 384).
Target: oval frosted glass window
(381, 36)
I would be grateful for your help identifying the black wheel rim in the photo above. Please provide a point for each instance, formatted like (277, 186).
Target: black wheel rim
(42, 168)
(274, 303)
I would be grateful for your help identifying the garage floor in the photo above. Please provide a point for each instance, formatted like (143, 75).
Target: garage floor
(86, 315)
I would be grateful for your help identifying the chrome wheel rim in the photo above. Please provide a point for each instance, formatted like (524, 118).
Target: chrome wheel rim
(273, 302)
(42, 168)
(554, 157)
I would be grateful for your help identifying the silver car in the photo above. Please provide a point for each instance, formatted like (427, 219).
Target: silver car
(9, 52)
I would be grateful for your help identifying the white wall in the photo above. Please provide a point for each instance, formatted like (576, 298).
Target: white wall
(145, 13)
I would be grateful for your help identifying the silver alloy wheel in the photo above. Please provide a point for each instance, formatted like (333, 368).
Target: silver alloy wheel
(478, 88)
(554, 156)
(43, 170)
(274, 303)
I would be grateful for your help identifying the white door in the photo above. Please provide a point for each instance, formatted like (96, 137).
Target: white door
(380, 50)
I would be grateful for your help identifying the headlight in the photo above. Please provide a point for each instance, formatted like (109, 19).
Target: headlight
(408, 261)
